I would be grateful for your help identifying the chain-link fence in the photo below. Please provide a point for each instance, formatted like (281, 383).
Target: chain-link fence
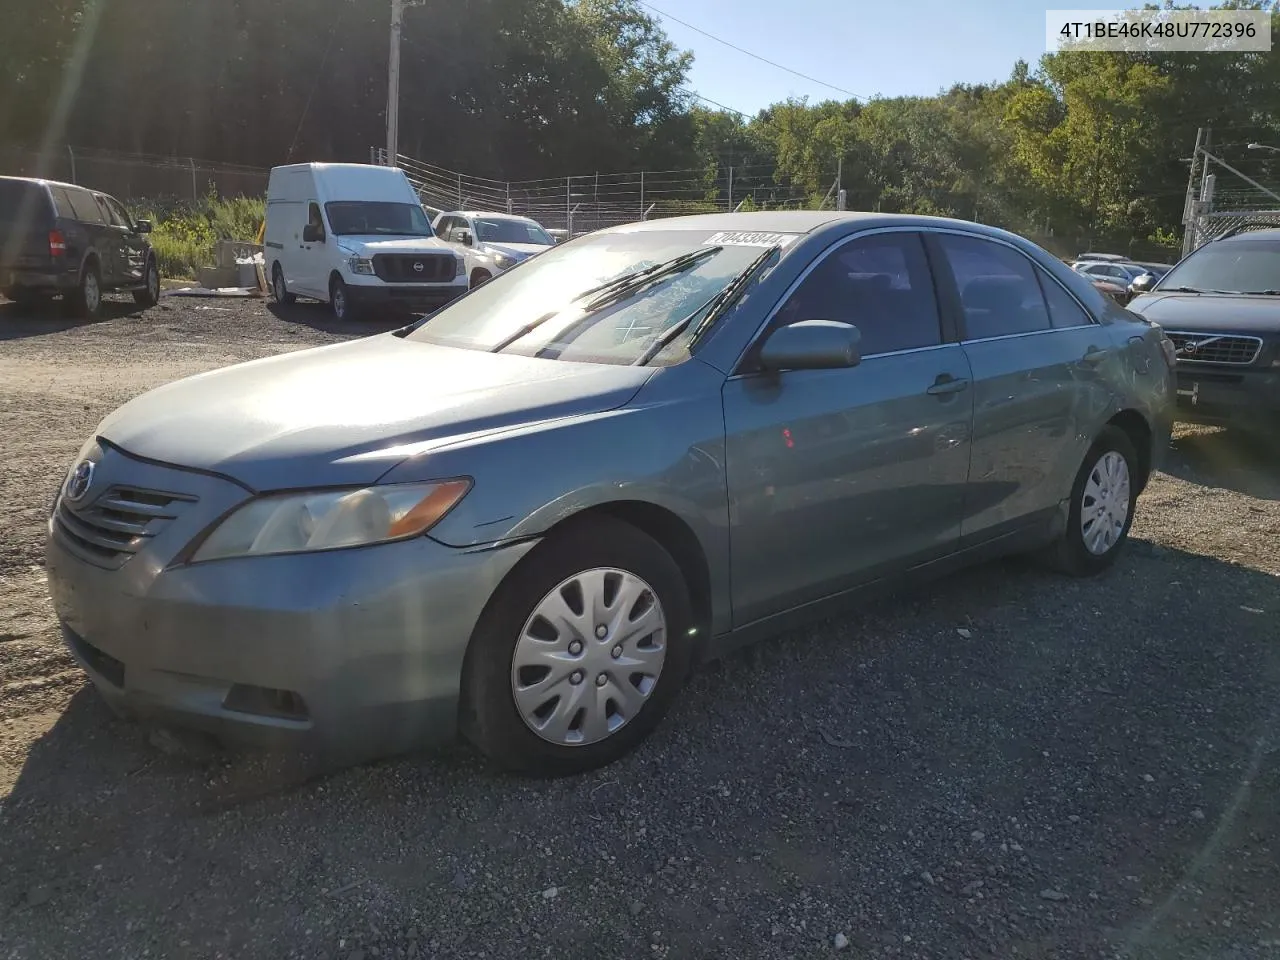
(1210, 226)
(580, 204)
(134, 177)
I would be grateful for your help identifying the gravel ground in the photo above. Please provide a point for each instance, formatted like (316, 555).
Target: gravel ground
(1010, 764)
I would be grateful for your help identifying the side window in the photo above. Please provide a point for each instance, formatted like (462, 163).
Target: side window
(881, 284)
(118, 215)
(445, 230)
(85, 207)
(998, 287)
(62, 203)
(1064, 311)
(104, 209)
(314, 219)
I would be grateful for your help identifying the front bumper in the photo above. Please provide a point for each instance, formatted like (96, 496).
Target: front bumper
(1219, 395)
(424, 298)
(349, 654)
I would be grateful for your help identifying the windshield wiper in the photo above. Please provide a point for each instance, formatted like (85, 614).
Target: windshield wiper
(524, 331)
(1179, 290)
(619, 287)
(1261, 293)
(715, 307)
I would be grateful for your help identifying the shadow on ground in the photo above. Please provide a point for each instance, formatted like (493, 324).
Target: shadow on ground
(318, 316)
(18, 322)
(1006, 763)
(1225, 458)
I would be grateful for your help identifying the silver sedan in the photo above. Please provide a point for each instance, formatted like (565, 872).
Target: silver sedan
(526, 516)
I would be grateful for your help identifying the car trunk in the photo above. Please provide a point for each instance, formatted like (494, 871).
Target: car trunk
(26, 217)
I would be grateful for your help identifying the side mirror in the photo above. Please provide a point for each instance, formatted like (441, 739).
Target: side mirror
(1143, 283)
(312, 234)
(812, 345)
(465, 238)
(142, 226)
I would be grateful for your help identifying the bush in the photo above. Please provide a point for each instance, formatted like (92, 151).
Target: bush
(184, 235)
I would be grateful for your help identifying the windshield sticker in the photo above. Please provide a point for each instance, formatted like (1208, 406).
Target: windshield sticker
(742, 238)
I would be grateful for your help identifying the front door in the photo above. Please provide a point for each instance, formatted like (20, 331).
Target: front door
(133, 244)
(837, 477)
(313, 256)
(1038, 360)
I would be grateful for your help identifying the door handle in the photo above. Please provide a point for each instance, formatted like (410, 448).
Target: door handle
(1094, 356)
(947, 384)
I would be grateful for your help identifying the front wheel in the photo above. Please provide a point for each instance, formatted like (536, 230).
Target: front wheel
(580, 652)
(1103, 498)
(149, 295)
(478, 277)
(340, 300)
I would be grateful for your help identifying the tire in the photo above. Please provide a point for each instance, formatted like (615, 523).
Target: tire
(478, 277)
(280, 290)
(1081, 550)
(149, 295)
(85, 301)
(608, 554)
(340, 301)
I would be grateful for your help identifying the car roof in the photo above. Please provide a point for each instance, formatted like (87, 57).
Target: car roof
(50, 183)
(804, 221)
(492, 215)
(1265, 234)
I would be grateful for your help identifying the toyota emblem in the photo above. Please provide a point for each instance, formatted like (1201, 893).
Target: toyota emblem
(417, 266)
(78, 481)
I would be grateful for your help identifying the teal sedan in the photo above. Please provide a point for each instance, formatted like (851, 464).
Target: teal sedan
(525, 517)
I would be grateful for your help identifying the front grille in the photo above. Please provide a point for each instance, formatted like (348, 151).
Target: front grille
(403, 267)
(1214, 348)
(114, 526)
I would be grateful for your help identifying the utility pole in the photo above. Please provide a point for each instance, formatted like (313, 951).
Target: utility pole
(1189, 206)
(840, 181)
(393, 83)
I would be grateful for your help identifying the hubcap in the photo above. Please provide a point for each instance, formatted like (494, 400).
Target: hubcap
(602, 625)
(1104, 507)
(91, 293)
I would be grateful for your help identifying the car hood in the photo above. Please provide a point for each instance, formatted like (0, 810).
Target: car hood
(1194, 312)
(346, 413)
(517, 250)
(366, 245)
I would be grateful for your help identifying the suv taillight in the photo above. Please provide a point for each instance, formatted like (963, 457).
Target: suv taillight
(57, 244)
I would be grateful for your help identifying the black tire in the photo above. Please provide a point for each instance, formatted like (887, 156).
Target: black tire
(340, 301)
(279, 289)
(149, 295)
(489, 715)
(85, 301)
(1070, 554)
(478, 277)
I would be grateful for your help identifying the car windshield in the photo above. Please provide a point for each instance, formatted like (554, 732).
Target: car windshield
(1234, 266)
(353, 217)
(511, 231)
(556, 305)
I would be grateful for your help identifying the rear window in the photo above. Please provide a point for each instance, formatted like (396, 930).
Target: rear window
(23, 202)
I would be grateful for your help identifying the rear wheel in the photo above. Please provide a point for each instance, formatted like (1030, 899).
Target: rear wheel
(149, 295)
(86, 299)
(1102, 503)
(279, 290)
(580, 652)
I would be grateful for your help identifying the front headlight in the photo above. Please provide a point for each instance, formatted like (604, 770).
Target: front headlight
(331, 519)
(363, 265)
(461, 268)
(503, 261)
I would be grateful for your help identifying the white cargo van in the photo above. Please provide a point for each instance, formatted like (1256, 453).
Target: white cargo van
(355, 236)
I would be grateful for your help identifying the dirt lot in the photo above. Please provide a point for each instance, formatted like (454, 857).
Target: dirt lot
(1008, 765)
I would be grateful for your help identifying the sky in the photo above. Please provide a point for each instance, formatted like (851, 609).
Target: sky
(908, 47)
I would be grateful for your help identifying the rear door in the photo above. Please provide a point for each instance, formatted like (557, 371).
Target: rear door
(1037, 358)
(98, 235)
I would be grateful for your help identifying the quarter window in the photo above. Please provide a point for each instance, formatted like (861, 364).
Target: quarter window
(1064, 311)
(998, 288)
(881, 284)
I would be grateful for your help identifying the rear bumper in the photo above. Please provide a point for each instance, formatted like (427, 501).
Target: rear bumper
(413, 296)
(1221, 396)
(43, 278)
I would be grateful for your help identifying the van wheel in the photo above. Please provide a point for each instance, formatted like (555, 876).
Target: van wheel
(340, 300)
(86, 299)
(478, 277)
(278, 288)
(149, 295)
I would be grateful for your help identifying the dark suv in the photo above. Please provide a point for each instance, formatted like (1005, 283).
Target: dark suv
(58, 238)
(1221, 308)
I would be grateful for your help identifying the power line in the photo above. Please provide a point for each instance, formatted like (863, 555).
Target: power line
(756, 56)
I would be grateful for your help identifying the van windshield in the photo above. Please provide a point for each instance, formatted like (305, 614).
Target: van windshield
(355, 217)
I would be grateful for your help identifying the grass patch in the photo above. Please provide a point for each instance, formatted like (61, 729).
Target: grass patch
(184, 235)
